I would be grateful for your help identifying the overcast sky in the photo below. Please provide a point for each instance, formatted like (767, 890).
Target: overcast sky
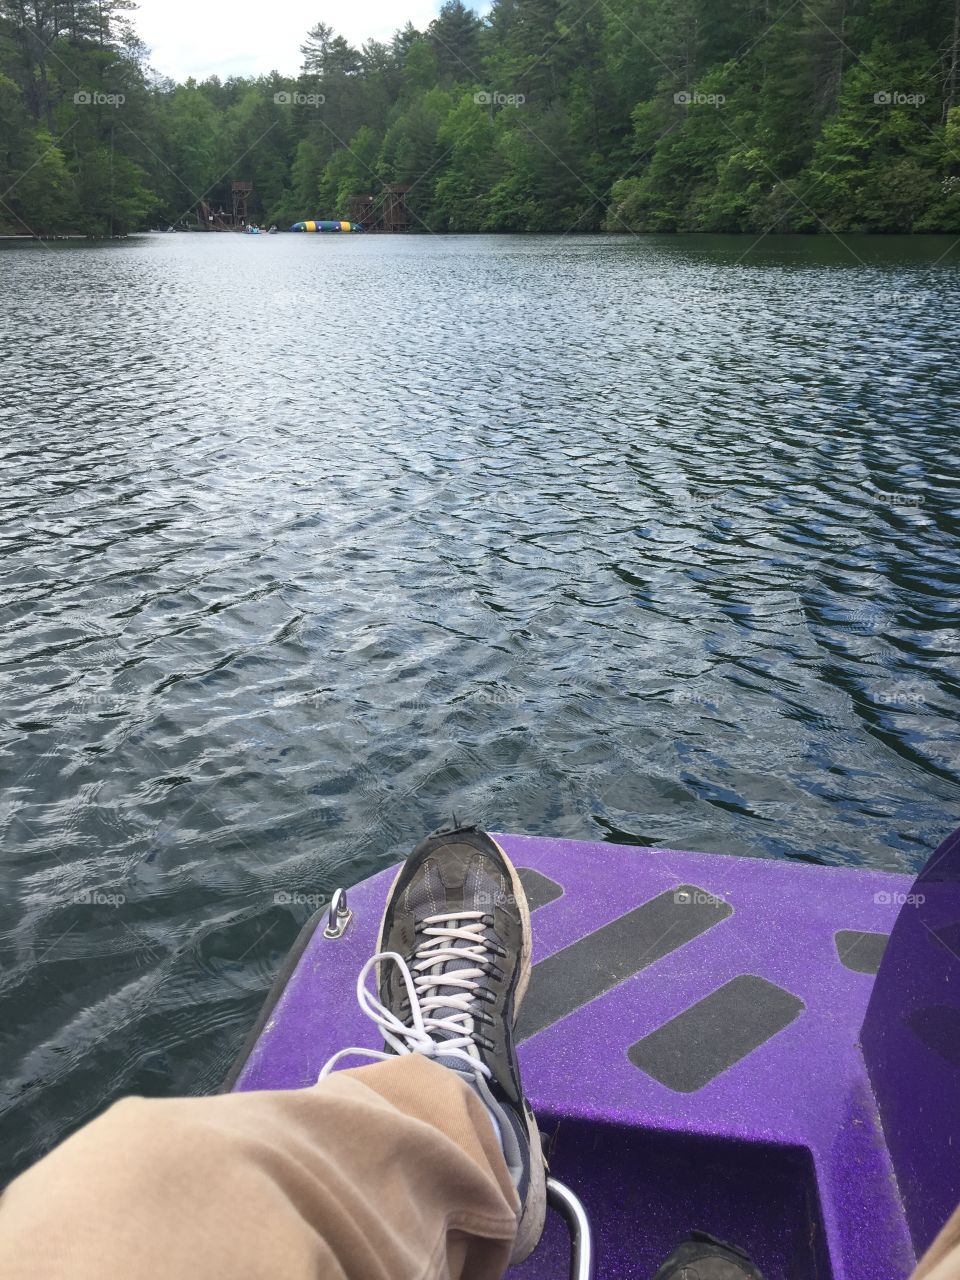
(189, 38)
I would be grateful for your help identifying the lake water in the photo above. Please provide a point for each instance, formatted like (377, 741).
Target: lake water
(307, 542)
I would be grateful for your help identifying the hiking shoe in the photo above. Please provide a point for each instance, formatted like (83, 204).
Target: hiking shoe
(453, 965)
(704, 1258)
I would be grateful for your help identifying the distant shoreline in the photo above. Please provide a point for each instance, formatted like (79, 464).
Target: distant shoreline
(606, 234)
(63, 235)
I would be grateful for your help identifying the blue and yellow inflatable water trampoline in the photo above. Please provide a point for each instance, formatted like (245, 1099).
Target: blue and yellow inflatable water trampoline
(327, 226)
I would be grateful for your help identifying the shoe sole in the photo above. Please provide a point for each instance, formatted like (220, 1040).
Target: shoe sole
(534, 1210)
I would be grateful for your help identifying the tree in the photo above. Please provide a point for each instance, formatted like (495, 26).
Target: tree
(316, 48)
(419, 67)
(454, 37)
(468, 136)
(193, 126)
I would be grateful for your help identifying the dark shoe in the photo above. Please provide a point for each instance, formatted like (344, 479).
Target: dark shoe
(453, 965)
(704, 1258)
(458, 917)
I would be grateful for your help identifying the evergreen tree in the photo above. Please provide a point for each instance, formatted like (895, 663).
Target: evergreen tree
(316, 48)
(454, 37)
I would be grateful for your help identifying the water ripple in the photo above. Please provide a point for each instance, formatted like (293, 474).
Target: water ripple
(304, 544)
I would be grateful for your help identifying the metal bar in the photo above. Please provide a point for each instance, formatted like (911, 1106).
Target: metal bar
(570, 1207)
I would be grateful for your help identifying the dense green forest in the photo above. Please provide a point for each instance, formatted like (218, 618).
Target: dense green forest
(544, 115)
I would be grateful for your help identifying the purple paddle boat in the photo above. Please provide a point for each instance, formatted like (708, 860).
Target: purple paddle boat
(767, 1051)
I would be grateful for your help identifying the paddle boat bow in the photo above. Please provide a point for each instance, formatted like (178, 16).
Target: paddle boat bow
(765, 1050)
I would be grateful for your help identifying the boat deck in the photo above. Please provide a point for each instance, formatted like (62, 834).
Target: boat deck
(690, 1044)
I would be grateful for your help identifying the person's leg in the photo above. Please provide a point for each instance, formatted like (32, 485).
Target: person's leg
(410, 1169)
(942, 1259)
(388, 1172)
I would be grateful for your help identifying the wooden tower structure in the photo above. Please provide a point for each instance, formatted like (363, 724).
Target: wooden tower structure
(386, 211)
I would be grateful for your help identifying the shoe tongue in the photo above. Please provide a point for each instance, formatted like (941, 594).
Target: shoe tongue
(430, 898)
(444, 989)
(455, 1064)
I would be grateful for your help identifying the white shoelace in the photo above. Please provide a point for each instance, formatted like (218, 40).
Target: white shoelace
(441, 933)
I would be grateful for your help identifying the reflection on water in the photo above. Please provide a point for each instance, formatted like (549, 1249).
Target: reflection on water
(306, 542)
